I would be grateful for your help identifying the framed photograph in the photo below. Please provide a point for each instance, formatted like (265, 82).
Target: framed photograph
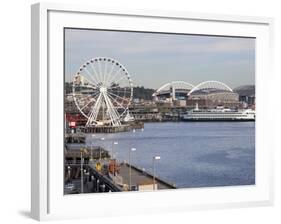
(138, 111)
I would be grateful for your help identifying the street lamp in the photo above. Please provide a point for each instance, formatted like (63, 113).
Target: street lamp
(81, 169)
(91, 157)
(154, 158)
(130, 168)
(113, 143)
(85, 173)
(98, 185)
(82, 150)
(92, 141)
(68, 169)
(102, 139)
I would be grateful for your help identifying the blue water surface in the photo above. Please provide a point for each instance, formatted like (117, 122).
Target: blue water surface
(193, 154)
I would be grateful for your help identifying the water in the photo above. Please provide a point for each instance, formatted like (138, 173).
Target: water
(193, 154)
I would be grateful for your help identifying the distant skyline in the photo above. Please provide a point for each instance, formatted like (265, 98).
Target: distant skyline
(154, 59)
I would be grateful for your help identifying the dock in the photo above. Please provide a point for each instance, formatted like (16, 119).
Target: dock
(106, 129)
(98, 181)
(141, 177)
(112, 129)
(75, 138)
(94, 167)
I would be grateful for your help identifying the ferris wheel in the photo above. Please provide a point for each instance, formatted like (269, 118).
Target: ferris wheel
(102, 91)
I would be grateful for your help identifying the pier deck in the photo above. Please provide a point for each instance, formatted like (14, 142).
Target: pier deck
(139, 177)
(105, 129)
(100, 182)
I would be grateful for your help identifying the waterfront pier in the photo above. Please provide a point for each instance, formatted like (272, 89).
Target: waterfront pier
(140, 178)
(75, 138)
(112, 129)
(84, 176)
(105, 129)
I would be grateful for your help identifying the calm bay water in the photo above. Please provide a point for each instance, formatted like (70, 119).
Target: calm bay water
(193, 154)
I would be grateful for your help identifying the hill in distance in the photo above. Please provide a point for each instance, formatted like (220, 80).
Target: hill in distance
(139, 92)
(246, 90)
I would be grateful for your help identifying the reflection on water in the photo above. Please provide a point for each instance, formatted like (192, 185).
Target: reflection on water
(193, 154)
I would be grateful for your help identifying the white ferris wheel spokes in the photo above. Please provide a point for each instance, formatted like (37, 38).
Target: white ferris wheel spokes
(102, 91)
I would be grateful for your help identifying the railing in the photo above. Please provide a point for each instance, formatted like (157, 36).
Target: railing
(112, 186)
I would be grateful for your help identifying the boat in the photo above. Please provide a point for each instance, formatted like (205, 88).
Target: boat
(219, 114)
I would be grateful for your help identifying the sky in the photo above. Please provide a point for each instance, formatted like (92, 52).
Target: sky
(153, 59)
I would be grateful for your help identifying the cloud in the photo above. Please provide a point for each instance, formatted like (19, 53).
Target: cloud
(151, 43)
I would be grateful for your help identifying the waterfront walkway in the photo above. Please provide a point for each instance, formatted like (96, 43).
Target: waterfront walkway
(103, 180)
(141, 177)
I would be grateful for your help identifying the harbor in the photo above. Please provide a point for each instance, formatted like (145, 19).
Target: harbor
(225, 156)
(93, 171)
(185, 136)
(158, 127)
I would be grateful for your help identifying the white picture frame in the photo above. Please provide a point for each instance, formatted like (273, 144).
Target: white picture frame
(48, 201)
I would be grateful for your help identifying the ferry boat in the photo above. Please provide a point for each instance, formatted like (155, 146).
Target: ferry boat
(219, 114)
